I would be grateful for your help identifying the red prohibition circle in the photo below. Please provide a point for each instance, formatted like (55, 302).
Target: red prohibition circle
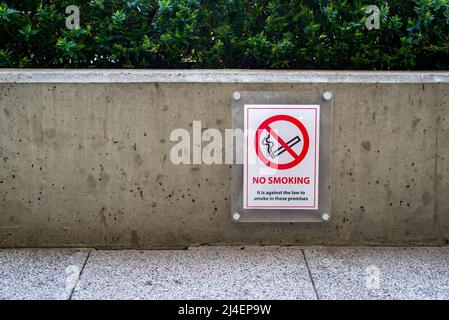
(296, 158)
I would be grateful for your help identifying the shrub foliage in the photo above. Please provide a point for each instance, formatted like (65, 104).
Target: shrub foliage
(275, 34)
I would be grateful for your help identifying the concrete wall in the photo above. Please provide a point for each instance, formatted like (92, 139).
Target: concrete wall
(84, 159)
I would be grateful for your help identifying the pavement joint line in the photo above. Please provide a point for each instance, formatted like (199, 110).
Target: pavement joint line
(310, 275)
(80, 275)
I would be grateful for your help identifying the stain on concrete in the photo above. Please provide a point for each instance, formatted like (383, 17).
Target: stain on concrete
(37, 130)
(103, 216)
(426, 198)
(163, 160)
(138, 160)
(415, 123)
(50, 133)
(105, 137)
(91, 183)
(104, 179)
(120, 215)
(366, 145)
(134, 238)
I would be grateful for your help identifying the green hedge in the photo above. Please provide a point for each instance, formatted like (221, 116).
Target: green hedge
(296, 34)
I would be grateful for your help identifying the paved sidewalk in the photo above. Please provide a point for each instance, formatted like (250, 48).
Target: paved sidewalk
(226, 273)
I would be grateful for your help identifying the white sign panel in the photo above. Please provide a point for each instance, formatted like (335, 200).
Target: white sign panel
(281, 156)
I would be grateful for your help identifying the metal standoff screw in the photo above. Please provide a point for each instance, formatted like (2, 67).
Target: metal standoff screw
(236, 216)
(327, 96)
(325, 216)
(236, 95)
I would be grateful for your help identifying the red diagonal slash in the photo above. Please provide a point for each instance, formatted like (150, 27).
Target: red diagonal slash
(280, 140)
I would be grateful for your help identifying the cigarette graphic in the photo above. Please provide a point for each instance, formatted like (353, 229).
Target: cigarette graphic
(280, 150)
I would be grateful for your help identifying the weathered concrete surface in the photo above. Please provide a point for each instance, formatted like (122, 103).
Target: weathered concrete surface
(88, 165)
(380, 273)
(247, 272)
(215, 273)
(35, 274)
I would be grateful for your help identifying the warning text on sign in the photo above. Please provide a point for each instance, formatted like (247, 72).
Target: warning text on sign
(283, 196)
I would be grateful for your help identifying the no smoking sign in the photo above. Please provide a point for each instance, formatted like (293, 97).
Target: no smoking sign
(265, 132)
(281, 156)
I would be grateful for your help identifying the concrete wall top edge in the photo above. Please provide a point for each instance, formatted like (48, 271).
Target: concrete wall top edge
(217, 76)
